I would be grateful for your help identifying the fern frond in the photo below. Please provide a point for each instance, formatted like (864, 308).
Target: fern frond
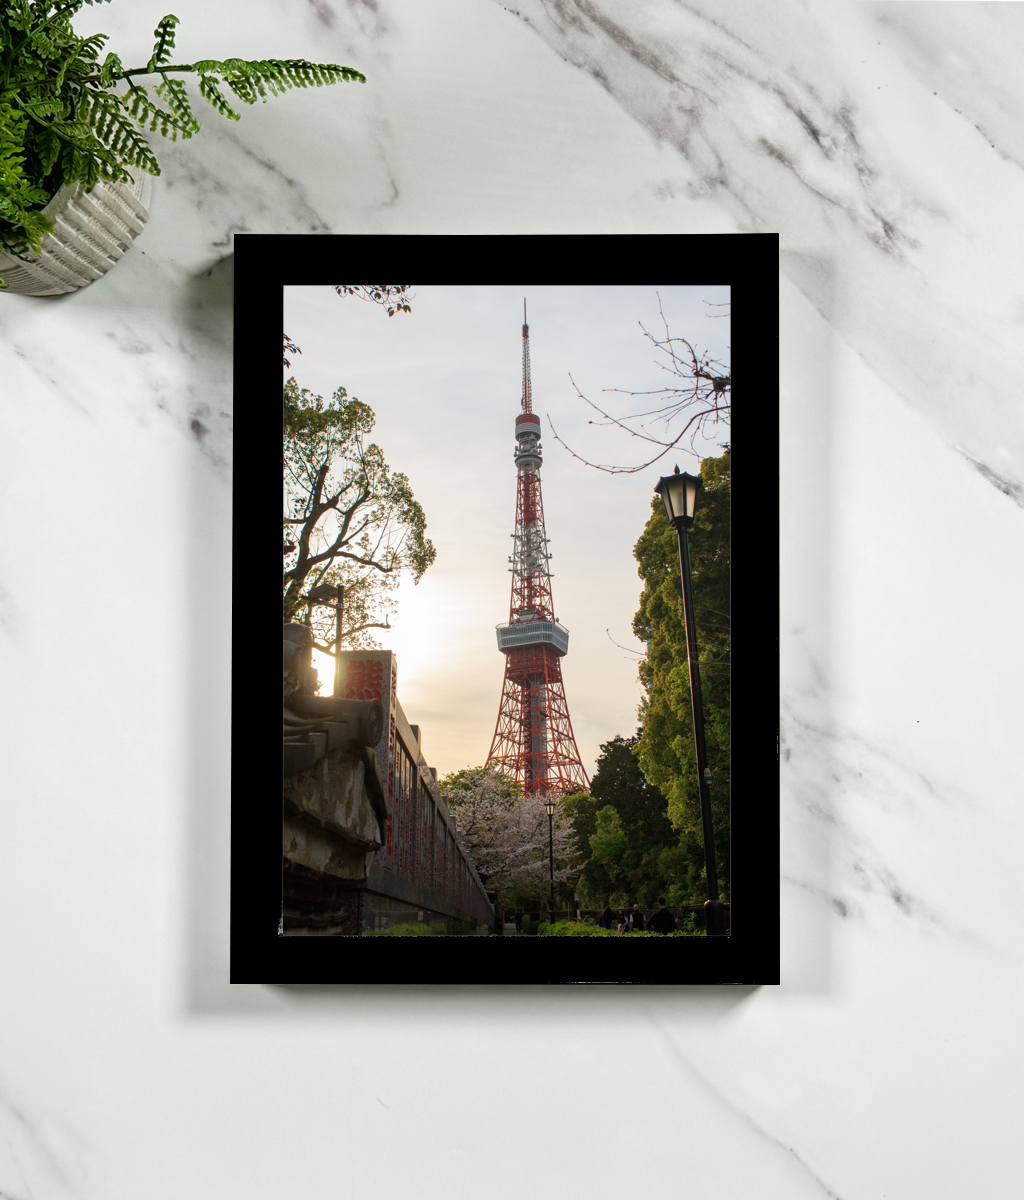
(43, 110)
(143, 109)
(115, 133)
(111, 70)
(173, 93)
(90, 47)
(79, 166)
(14, 14)
(48, 148)
(80, 63)
(164, 34)
(213, 95)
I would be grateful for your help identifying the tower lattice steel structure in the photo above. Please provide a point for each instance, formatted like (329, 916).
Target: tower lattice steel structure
(533, 738)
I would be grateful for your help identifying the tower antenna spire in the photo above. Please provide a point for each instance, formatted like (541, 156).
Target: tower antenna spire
(527, 388)
(533, 738)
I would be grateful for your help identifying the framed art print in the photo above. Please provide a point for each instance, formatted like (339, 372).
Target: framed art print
(530, 654)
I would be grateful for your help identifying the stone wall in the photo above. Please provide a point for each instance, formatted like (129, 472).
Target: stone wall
(333, 812)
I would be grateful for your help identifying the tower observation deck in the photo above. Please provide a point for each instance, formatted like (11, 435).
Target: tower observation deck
(533, 738)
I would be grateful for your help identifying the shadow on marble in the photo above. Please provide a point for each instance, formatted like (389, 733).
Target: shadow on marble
(810, 905)
(204, 314)
(509, 1001)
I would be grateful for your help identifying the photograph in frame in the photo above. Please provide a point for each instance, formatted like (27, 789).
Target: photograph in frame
(485, 416)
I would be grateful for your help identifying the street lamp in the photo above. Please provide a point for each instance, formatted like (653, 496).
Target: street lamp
(549, 804)
(679, 493)
(326, 594)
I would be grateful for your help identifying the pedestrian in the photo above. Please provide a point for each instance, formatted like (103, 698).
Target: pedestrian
(636, 920)
(607, 919)
(662, 921)
(519, 920)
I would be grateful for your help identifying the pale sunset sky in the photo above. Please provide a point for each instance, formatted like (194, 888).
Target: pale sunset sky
(445, 383)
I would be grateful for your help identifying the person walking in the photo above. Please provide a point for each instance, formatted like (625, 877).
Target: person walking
(636, 920)
(607, 920)
(662, 921)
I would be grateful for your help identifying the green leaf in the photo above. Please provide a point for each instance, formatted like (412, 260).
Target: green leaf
(164, 34)
(212, 94)
(180, 116)
(111, 70)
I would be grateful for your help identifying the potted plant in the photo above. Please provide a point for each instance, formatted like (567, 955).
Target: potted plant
(74, 161)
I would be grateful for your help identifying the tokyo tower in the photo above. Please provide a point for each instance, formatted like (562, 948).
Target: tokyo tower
(533, 738)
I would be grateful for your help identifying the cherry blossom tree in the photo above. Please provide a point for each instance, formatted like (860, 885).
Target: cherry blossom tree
(506, 832)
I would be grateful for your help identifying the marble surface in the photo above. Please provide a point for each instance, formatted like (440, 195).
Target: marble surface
(883, 142)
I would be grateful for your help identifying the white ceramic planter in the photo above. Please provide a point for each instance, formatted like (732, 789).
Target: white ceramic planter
(91, 232)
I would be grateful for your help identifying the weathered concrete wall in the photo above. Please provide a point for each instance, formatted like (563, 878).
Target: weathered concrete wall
(332, 797)
(370, 817)
(317, 905)
(332, 819)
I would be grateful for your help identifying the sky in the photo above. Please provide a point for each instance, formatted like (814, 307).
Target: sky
(445, 383)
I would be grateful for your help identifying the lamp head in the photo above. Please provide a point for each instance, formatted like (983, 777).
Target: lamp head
(324, 594)
(679, 494)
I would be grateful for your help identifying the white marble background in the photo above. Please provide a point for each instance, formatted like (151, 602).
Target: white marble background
(884, 142)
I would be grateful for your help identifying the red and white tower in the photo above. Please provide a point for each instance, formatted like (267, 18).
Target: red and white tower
(533, 738)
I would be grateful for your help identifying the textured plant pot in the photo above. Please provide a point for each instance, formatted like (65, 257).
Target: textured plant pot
(91, 232)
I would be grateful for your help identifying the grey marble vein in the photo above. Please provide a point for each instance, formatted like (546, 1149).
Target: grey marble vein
(774, 112)
(885, 143)
(818, 1185)
(850, 786)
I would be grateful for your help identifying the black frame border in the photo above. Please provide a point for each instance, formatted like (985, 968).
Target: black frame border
(264, 265)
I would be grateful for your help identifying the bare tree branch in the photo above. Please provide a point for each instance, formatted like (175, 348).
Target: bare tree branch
(348, 632)
(705, 384)
(626, 648)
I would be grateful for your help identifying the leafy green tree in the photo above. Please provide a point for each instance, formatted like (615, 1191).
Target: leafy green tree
(665, 749)
(348, 518)
(595, 885)
(625, 824)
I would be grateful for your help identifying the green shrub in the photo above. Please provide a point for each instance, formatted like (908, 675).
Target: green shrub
(581, 929)
(407, 929)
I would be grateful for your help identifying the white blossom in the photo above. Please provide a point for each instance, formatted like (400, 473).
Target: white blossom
(507, 833)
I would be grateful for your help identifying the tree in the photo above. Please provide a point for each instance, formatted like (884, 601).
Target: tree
(702, 396)
(348, 519)
(506, 832)
(624, 823)
(665, 749)
(595, 885)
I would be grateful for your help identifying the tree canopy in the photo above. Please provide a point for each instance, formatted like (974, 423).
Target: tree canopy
(624, 825)
(665, 749)
(348, 518)
(506, 832)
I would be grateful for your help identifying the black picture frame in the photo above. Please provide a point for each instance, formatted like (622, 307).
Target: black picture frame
(748, 263)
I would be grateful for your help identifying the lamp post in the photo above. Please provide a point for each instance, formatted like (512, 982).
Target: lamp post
(325, 594)
(679, 495)
(549, 804)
